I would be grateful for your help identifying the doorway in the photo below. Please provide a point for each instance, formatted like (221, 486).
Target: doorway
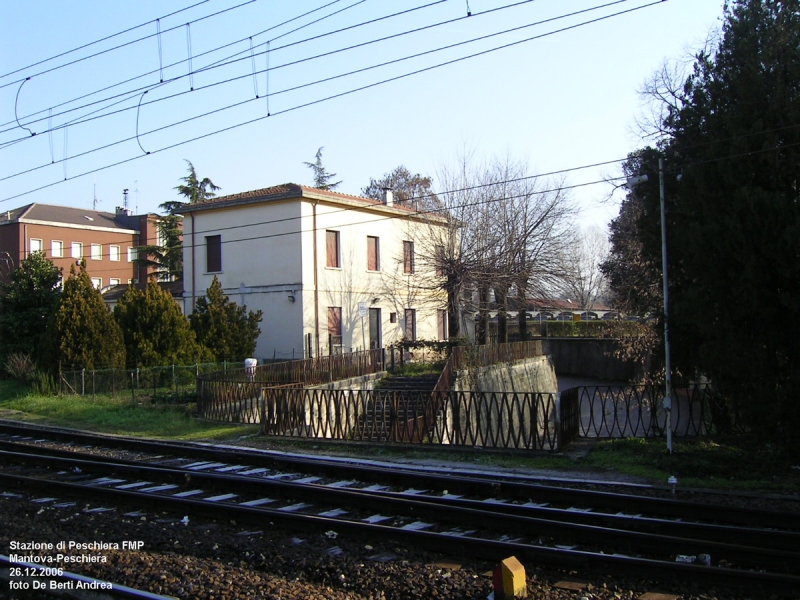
(375, 328)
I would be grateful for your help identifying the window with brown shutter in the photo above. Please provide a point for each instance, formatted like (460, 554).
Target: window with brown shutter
(408, 258)
(442, 324)
(332, 248)
(335, 320)
(213, 253)
(411, 324)
(439, 258)
(373, 254)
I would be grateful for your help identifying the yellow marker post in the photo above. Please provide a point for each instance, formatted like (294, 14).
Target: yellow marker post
(509, 580)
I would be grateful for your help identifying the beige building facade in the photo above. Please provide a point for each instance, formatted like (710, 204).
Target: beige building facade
(331, 272)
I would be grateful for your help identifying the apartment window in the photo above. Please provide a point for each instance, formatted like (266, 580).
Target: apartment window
(97, 252)
(373, 253)
(408, 258)
(213, 253)
(36, 245)
(113, 253)
(77, 250)
(132, 254)
(113, 281)
(56, 248)
(442, 324)
(334, 329)
(411, 324)
(439, 258)
(332, 249)
(97, 282)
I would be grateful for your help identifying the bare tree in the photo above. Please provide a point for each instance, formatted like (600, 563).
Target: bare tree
(505, 236)
(582, 280)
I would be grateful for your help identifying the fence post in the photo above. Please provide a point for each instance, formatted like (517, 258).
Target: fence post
(557, 421)
(133, 395)
(93, 384)
(83, 382)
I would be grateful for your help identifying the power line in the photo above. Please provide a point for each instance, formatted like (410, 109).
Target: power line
(108, 37)
(134, 93)
(138, 90)
(310, 103)
(77, 60)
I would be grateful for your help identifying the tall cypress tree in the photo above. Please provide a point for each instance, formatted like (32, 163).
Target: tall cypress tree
(82, 332)
(228, 330)
(155, 331)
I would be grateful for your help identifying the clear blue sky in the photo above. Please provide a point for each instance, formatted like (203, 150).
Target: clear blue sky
(561, 101)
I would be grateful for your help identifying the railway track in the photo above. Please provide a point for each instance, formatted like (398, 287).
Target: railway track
(485, 518)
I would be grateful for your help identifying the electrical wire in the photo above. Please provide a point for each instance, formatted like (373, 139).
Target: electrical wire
(77, 60)
(108, 37)
(180, 62)
(311, 103)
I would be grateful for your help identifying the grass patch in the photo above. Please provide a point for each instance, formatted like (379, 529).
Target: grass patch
(734, 463)
(115, 415)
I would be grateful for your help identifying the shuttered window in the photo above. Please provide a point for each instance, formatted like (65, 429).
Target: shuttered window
(373, 254)
(442, 324)
(411, 324)
(408, 258)
(332, 248)
(213, 253)
(335, 320)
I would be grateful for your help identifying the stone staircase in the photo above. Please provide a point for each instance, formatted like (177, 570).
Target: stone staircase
(397, 409)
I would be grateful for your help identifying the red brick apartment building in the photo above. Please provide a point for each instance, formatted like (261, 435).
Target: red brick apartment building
(107, 241)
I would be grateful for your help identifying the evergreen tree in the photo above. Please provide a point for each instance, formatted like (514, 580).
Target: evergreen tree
(82, 333)
(228, 330)
(322, 179)
(407, 188)
(166, 259)
(26, 304)
(155, 331)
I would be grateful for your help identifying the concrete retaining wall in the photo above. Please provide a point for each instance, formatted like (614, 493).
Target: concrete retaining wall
(524, 376)
(591, 358)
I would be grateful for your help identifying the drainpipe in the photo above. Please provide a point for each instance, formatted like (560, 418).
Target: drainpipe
(194, 293)
(316, 285)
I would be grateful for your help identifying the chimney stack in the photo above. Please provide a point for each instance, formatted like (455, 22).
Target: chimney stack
(388, 196)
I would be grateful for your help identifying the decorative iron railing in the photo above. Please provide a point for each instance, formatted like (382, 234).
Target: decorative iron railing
(637, 411)
(493, 420)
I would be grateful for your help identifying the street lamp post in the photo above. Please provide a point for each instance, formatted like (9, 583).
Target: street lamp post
(667, 404)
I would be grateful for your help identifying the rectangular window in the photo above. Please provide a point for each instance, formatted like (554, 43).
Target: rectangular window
(56, 249)
(408, 258)
(334, 329)
(132, 254)
(113, 253)
(332, 249)
(213, 253)
(373, 253)
(36, 245)
(97, 282)
(97, 252)
(439, 259)
(77, 250)
(113, 281)
(442, 324)
(411, 324)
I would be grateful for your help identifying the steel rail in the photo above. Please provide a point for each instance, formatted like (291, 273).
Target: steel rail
(765, 538)
(480, 485)
(465, 545)
(494, 521)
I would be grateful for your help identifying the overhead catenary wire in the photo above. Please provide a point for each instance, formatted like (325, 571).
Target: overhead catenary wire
(179, 62)
(222, 62)
(347, 92)
(77, 60)
(103, 39)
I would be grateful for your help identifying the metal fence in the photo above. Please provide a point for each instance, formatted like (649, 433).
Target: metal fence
(637, 411)
(487, 420)
(172, 383)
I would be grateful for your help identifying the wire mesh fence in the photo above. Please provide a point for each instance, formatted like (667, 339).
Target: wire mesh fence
(170, 384)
